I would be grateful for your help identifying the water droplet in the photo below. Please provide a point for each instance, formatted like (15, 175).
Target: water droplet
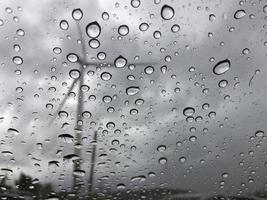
(63, 114)
(163, 160)
(123, 30)
(120, 62)
(13, 131)
(107, 99)
(72, 58)
(20, 32)
(259, 133)
(139, 102)
(64, 25)
(192, 138)
(163, 69)
(167, 12)
(161, 148)
(110, 125)
(149, 70)
(121, 186)
(223, 83)
(105, 76)
(222, 67)
(1, 22)
(225, 175)
(57, 50)
(265, 9)
(77, 14)
(212, 17)
(175, 28)
(182, 159)
(79, 172)
(86, 114)
(133, 111)
(74, 73)
(239, 14)
(105, 16)
(157, 34)
(17, 60)
(188, 111)
(67, 138)
(94, 43)
(143, 26)
(135, 3)
(93, 29)
(132, 90)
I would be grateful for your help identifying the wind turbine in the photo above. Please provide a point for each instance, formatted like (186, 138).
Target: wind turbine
(79, 126)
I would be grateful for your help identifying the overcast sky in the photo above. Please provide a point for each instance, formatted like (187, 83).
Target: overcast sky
(224, 142)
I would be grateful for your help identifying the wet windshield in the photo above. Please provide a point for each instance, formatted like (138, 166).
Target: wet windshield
(136, 99)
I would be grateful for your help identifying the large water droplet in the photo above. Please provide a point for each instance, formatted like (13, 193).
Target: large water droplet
(120, 62)
(132, 90)
(239, 14)
(77, 14)
(93, 29)
(222, 67)
(188, 111)
(167, 12)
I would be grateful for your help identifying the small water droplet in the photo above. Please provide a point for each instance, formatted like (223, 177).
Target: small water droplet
(64, 25)
(163, 160)
(223, 83)
(175, 28)
(161, 148)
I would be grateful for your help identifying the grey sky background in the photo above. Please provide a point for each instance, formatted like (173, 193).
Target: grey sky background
(227, 146)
